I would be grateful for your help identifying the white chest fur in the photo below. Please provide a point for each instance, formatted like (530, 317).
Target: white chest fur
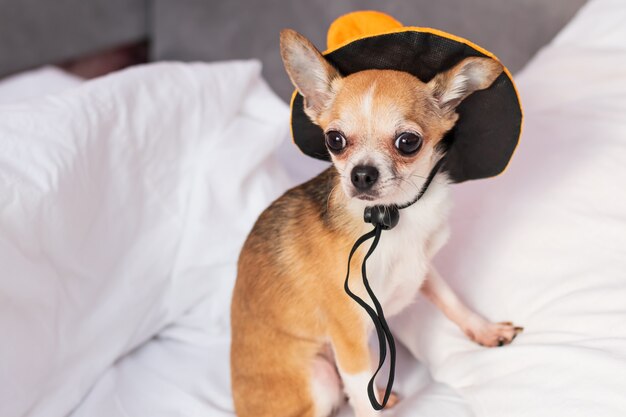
(397, 268)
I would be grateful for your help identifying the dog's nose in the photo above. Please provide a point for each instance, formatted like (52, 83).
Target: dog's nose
(364, 177)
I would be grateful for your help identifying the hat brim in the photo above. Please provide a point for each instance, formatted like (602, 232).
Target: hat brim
(487, 133)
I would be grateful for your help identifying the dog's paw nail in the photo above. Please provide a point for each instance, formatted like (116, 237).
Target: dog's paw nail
(518, 330)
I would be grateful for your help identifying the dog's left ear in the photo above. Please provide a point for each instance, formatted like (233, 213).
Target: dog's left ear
(451, 87)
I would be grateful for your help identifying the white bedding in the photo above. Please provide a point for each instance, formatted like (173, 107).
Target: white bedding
(123, 204)
(544, 245)
(36, 83)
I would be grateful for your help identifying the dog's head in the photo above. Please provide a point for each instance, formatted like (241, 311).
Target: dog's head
(381, 127)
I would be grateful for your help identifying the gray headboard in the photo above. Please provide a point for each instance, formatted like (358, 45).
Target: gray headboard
(35, 32)
(209, 30)
(39, 32)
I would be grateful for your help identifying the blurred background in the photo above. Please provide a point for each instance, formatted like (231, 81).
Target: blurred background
(89, 38)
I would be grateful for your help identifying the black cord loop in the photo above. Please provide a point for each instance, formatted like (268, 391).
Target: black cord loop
(383, 218)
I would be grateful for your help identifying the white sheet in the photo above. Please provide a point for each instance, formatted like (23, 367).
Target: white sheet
(544, 244)
(184, 372)
(36, 84)
(122, 204)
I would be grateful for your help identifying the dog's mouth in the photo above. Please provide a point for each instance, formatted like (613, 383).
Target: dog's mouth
(365, 197)
(378, 194)
(389, 193)
(369, 195)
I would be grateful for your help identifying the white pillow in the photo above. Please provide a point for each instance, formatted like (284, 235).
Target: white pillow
(36, 83)
(119, 202)
(544, 244)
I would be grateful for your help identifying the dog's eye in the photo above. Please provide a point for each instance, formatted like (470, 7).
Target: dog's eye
(408, 143)
(335, 141)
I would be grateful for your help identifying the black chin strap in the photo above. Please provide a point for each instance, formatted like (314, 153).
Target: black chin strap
(383, 218)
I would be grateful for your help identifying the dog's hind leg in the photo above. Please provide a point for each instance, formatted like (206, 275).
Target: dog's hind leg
(289, 380)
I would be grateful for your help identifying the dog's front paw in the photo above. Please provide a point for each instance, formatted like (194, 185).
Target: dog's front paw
(490, 334)
(392, 401)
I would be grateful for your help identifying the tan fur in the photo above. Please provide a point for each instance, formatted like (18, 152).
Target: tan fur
(289, 303)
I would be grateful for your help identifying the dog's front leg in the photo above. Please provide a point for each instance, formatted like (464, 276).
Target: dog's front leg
(476, 327)
(349, 341)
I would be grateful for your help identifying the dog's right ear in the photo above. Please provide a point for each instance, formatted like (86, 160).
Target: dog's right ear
(309, 71)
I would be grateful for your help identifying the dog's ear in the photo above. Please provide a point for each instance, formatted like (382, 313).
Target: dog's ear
(451, 87)
(309, 71)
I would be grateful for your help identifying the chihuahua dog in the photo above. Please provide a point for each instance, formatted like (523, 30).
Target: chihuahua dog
(298, 341)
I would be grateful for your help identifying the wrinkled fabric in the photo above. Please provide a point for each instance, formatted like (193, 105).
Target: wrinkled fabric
(544, 244)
